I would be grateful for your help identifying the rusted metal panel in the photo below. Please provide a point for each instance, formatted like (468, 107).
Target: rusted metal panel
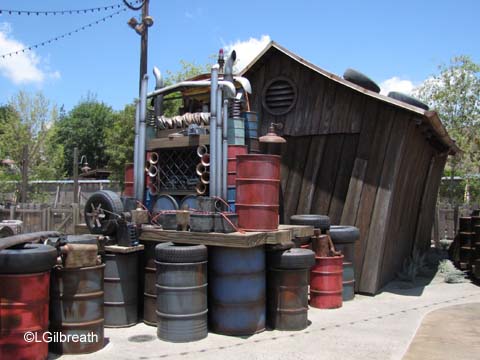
(237, 290)
(76, 308)
(23, 308)
(287, 299)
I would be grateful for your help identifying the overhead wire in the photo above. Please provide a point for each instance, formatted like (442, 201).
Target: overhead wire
(60, 37)
(72, 11)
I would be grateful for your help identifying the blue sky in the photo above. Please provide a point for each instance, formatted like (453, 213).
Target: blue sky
(397, 43)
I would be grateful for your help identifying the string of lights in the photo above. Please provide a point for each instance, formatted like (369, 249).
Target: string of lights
(60, 37)
(68, 11)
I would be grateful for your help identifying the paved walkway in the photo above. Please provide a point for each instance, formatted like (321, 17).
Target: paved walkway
(449, 333)
(380, 327)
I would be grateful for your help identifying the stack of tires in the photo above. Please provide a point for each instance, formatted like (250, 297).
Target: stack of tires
(181, 292)
(287, 288)
(344, 238)
(24, 300)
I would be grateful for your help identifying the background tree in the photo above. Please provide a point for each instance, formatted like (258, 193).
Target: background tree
(119, 140)
(85, 127)
(455, 94)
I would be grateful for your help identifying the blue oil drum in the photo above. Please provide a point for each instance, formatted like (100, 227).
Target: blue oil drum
(231, 195)
(251, 124)
(237, 290)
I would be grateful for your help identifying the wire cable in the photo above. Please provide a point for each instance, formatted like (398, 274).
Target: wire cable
(60, 37)
(131, 7)
(71, 11)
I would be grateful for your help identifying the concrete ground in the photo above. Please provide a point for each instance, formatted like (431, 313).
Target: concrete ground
(380, 327)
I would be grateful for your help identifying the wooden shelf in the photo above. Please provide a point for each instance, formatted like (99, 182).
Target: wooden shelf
(124, 249)
(249, 239)
(283, 235)
(178, 142)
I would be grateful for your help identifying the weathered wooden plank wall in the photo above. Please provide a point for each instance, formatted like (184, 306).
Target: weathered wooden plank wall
(360, 160)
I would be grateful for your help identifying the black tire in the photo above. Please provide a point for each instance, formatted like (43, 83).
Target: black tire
(342, 234)
(279, 247)
(317, 221)
(408, 99)
(291, 259)
(103, 200)
(179, 253)
(27, 259)
(363, 80)
(6, 231)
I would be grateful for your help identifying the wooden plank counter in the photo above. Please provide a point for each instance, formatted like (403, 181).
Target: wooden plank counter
(284, 234)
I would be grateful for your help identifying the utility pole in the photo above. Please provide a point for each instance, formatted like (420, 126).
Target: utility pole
(144, 44)
(141, 28)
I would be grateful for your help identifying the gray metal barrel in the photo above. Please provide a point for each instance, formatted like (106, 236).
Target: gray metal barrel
(344, 238)
(287, 299)
(76, 308)
(237, 290)
(121, 286)
(182, 301)
(149, 290)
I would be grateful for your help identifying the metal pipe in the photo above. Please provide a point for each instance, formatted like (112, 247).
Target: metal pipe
(225, 149)
(227, 85)
(219, 147)
(140, 176)
(158, 103)
(213, 130)
(244, 82)
(228, 76)
(135, 147)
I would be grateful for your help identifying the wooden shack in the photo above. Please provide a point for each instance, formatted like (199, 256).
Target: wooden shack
(360, 157)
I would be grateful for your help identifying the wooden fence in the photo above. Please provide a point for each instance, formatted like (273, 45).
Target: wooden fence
(42, 217)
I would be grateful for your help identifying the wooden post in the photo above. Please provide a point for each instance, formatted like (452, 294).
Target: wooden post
(75, 216)
(24, 189)
(49, 218)
(12, 212)
(75, 175)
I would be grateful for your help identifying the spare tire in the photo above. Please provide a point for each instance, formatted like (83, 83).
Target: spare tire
(6, 231)
(27, 259)
(317, 221)
(343, 234)
(408, 99)
(102, 210)
(363, 80)
(179, 253)
(291, 259)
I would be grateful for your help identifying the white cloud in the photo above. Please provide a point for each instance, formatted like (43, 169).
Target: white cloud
(397, 84)
(23, 67)
(247, 50)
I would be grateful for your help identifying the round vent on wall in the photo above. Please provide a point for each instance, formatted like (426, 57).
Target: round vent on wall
(279, 96)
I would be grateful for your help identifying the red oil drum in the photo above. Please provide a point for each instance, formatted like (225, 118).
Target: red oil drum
(258, 185)
(128, 191)
(257, 191)
(326, 282)
(24, 309)
(258, 166)
(233, 151)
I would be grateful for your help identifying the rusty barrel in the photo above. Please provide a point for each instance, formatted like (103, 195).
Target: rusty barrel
(149, 279)
(287, 300)
(23, 308)
(182, 309)
(258, 185)
(236, 290)
(326, 282)
(121, 287)
(233, 152)
(76, 309)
